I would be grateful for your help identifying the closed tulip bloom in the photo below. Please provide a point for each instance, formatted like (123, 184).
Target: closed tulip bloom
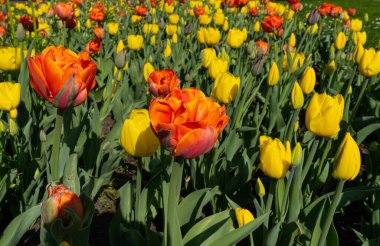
(273, 75)
(359, 38)
(173, 19)
(297, 98)
(330, 68)
(65, 11)
(99, 32)
(292, 40)
(209, 36)
(150, 28)
(136, 136)
(113, 28)
(120, 46)
(61, 76)
(168, 49)
(275, 158)
(135, 19)
(171, 29)
(147, 70)
(225, 25)
(10, 58)
(243, 216)
(323, 115)
(217, 66)
(369, 64)
(10, 94)
(358, 53)
(236, 37)
(226, 87)
(312, 29)
(340, 41)
(297, 155)
(259, 188)
(207, 55)
(347, 159)
(308, 80)
(219, 17)
(298, 61)
(257, 26)
(162, 83)
(356, 25)
(135, 42)
(187, 122)
(204, 19)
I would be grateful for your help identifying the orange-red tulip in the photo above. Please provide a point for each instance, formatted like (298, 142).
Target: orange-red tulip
(162, 83)
(272, 23)
(65, 11)
(61, 76)
(187, 122)
(99, 32)
(97, 14)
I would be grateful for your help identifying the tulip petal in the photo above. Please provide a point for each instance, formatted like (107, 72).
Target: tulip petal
(88, 76)
(54, 75)
(38, 81)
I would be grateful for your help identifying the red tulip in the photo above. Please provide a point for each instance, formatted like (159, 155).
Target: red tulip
(65, 11)
(162, 83)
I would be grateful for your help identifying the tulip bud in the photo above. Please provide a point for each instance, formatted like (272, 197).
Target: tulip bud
(120, 46)
(207, 55)
(121, 59)
(224, 55)
(274, 75)
(259, 188)
(332, 52)
(175, 38)
(2, 127)
(308, 80)
(340, 41)
(347, 159)
(226, 87)
(13, 128)
(243, 216)
(330, 68)
(297, 155)
(189, 28)
(251, 48)
(20, 32)
(153, 40)
(225, 25)
(296, 126)
(313, 17)
(366, 17)
(257, 27)
(168, 49)
(148, 69)
(258, 65)
(297, 96)
(292, 40)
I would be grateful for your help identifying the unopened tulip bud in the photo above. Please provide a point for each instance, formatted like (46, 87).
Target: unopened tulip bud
(257, 66)
(20, 32)
(332, 52)
(243, 216)
(297, 155)
(251, 48)
(13, 128)
(189, 28)
(2, 127)
(296, 126)
(330, 68)
(366, 17)
(297, 98)
(273, 75)
(224, 55)
(121, 59)
(147, 70)
(313, 17)
(257, 27)
(259, 188)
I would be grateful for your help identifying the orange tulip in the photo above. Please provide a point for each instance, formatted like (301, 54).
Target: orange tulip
(97, 14)
(272, 23)
(187, 122)
(61, 76)
(161, 83)
(99, 32)
(65, 11)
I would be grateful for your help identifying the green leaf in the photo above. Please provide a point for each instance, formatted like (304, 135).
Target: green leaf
(6, 181)
(364, 132)
(237, 235)
(234, 142)
(70, 175)
(273, 235)
(317, 230)
(19, 226)
(332, 236)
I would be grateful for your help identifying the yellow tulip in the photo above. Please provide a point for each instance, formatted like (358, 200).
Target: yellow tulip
(137, 137)
(168, 49)
(257, 27)
(356, 25)
(323, 115)
(173, 19)
(135, 42)
(135, 19)
(204, 19)
(225, 25)
(358, 53)
(236, 37)
(218, 17)
(297, 155)
(88, 23)
(226, 87)
(217, 66)
(10, 94)
(10, 58)
(297, 96)
(113, 28)
(359, 38)
(207, 55)
(259, 188)
(153, 40)
(175, 38)
(275, 158)
(243, 216)
(120, 46)
(312, 29)
(308, 80)
(298, 61)
(169, 8)
(292, 40)
(148, 69)
(340, 41)
(209, 36)
(347, 159)
(369, 64)
(150, 28)
(330, 68)
(273, 75)
(171, 29)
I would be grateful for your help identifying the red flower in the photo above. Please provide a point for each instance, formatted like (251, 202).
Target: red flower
(93, 46)
(199, 11)
(65, 11)
(71, 23)
(3, 31)
(351, 11)
(254, 11)
(272, 23)
(336, 11)
(99, 32)
(297, 6)
(27, 22)
(162, 83)
(141, 10)
(262, 47)
(325, 8)
(97, 14)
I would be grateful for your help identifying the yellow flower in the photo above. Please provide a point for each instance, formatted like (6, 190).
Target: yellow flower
(10, 97)
(292, 40)
(225, 25)
(226, 87)
(136, 19)
(135, 42)
(209, 36)
(207, 55)
(150, 28)
(259, 188)
(347, 159)
(312, 29)
(173, 19)
(148, 69)
(175, 38)
(43, 27)
(358, 53)
(298, 61)
(275, 158)
(153, 40)
(169, 8)
(218, 17)
(88, 23)
(323, 115)
(204, 19)
(168, 49)
(236, 37)
(13, 127)
(257, 27)
(10, 58)
(243, 216)
(120, 46)
(330, 68)
(2, 127)
(171, 29)
(113, 27)
(273, 75)
(369, 64)
(359, 38)
(297, 155)
(137, 137)
(217, 66)
(308, 80)
(297, 96)
(356, 25)
(340, 41)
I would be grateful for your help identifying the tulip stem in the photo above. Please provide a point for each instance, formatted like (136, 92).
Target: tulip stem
(272, 188)
(324, 156)
(310, 159)
(56, 145)
(286, 194)
(138, 188)
(331, 212)
(290, 130)
(361, 94)
(63, 33)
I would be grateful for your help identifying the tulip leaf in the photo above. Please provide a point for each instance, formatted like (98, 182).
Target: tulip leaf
(19, 226)
(70, 175)
(366, 131)
(318, 223)
(6, 181)
(234, 142)
(234, 236)
(272, 236)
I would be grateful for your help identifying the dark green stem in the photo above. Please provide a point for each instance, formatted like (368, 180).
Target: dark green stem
(286, 194)
(56, 145)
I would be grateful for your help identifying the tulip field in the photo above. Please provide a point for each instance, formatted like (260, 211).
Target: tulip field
(187, 122)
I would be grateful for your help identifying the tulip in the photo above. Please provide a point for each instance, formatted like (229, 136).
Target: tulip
(65, 11)
(168, 49)
(150, 28)
(97, 14)
(61, 76)
(20, 32)
(226, 87)
(135, 42)
(135, 19)
(358, 53)
(225, 25)
(340, 41)
(136, 136)
(187, 122)
(204, 19)
(292, 40)
(236, 37)
(359, 38)
(173, 19)
(312, 29)
(356, 25)
(313, 17)
(10, 94)
(274, 75)
(243, 216)
(272, 23)
(259, 188)
(171, 29)
(369, 64)
(347, 159)
(13, 128)
(113, 28)
(297, 155)
(256, 27)
(121, 59)
(2, 127)
(298, 61)
(207, 55)
(209, 36)
(147, 70)
(324, 114)
(297, 96)
(330, 68)
(217, 66)
(99, 32)
(10, 58)
(219, 17)
(153, 40)
(275, 158)
(162, 83)
(308, 80)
